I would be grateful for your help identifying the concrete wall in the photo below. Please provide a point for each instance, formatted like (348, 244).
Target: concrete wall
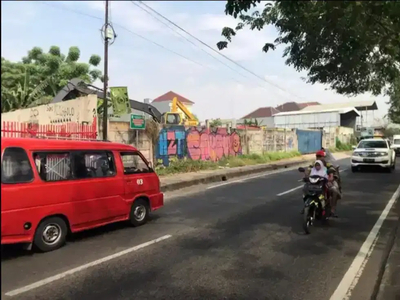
(120, 132)
(278, 139)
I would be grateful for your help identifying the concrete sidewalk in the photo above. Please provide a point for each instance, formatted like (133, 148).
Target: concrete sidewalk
(179, 181)
(389, 288)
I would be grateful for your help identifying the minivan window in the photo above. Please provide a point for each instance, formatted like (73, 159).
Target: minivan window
(372, 144)
(53, 166)
(396, 141)
(93, 164)
(15, 166)
(133, 163)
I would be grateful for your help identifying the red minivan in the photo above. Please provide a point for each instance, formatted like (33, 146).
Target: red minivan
(50, 188)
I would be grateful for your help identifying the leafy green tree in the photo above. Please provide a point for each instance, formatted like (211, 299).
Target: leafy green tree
(39, 76)
(394, 102)
(352, 46)
(216, 123)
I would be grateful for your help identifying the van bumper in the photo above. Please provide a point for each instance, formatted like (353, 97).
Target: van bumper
(156, 201)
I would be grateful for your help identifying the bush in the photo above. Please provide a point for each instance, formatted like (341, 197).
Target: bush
(188, 165)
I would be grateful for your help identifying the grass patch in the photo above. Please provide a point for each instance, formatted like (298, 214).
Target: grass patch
(188, 165)
(341, 147)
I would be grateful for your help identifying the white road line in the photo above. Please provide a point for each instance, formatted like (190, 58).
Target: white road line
(83, 267)
(350, 279)
(289, 191)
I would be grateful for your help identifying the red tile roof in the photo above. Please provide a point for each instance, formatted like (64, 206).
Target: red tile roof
(262, 112)
(170, 96)
(294, 106)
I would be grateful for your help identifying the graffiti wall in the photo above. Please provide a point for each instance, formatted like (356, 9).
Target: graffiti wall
(70, 119)
(278, 140)
(82, 110)
(197, 144)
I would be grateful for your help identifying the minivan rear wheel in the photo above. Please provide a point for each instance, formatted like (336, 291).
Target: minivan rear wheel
(51, 234)
(140, 212)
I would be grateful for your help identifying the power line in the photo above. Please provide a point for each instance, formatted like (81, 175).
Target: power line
(208, 46)
(126, 29)
(136, 34)
(197, 46)
(188, 40)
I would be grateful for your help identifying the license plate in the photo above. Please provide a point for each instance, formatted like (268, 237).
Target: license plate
(369, 160)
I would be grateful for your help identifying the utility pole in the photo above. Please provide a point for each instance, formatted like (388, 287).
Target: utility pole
(105, 99)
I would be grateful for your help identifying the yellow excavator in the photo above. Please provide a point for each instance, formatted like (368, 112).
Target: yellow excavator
(179, 115)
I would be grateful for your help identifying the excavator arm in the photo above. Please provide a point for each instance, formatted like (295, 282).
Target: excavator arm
(191, 120)
(77, 86)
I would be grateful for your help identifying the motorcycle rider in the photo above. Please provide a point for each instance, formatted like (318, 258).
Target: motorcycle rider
(332, 184)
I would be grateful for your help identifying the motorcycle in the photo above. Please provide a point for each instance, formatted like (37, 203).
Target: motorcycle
(315, 204)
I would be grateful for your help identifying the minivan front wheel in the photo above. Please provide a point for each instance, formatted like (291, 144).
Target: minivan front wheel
(51, 234)
(140, 212)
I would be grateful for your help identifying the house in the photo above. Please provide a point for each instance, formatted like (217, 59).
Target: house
(163, 102)
(294, 106)
(263, 115)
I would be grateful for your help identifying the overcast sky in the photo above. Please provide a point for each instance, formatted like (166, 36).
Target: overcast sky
(150, 70)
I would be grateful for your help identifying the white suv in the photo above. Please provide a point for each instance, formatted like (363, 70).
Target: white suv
(373, 152)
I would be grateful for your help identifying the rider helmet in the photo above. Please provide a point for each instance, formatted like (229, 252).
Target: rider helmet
(320, 153)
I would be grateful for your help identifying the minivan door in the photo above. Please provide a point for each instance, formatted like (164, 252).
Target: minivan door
(139, 178)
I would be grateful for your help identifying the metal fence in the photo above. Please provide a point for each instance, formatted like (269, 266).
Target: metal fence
(71, 130)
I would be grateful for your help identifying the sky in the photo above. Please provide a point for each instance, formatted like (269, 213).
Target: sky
(151, 59)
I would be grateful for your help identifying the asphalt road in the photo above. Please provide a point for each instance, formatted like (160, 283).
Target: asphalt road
(234, 241)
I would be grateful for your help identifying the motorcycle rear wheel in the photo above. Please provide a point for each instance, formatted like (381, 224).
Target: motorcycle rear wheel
(307, 220)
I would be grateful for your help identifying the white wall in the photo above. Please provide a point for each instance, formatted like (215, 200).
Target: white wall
(302, 121)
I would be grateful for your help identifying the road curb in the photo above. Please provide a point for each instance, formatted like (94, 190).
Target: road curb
(226, 174)
(383, 288)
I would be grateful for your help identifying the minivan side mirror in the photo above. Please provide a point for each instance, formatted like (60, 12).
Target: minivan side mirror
(354, 147)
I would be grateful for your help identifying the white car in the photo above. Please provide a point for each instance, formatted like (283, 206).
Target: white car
(373, 152)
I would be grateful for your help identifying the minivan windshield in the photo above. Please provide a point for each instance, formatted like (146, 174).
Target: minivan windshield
(372, 144)
(396, 141)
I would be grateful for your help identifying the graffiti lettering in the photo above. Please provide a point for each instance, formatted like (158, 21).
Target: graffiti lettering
(63, 111)
(34, 113)
(197, 144)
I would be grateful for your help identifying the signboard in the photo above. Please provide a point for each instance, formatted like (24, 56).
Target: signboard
(120, 100)
(82, 110)
(138, 122)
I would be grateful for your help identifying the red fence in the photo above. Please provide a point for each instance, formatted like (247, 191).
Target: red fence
(60, 131)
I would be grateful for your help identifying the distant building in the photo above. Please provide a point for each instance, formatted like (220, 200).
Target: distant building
(365, 108)
(163, 102)
(327, 118)
(263, 115)
(294, 106)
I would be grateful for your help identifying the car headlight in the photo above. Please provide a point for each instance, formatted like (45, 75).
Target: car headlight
(383, 154)
(356, 154)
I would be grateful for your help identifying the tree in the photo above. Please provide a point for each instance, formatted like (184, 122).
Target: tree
(353, 46)
(216, 122)
(394, 102)
(39, 76)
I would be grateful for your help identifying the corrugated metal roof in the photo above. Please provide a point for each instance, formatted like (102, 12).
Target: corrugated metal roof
(343, 110)
(360, 105)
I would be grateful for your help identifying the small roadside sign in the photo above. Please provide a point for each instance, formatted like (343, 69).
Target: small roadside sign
(138, 122)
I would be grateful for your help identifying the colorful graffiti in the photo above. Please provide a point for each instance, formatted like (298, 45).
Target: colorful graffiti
(197, 144)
